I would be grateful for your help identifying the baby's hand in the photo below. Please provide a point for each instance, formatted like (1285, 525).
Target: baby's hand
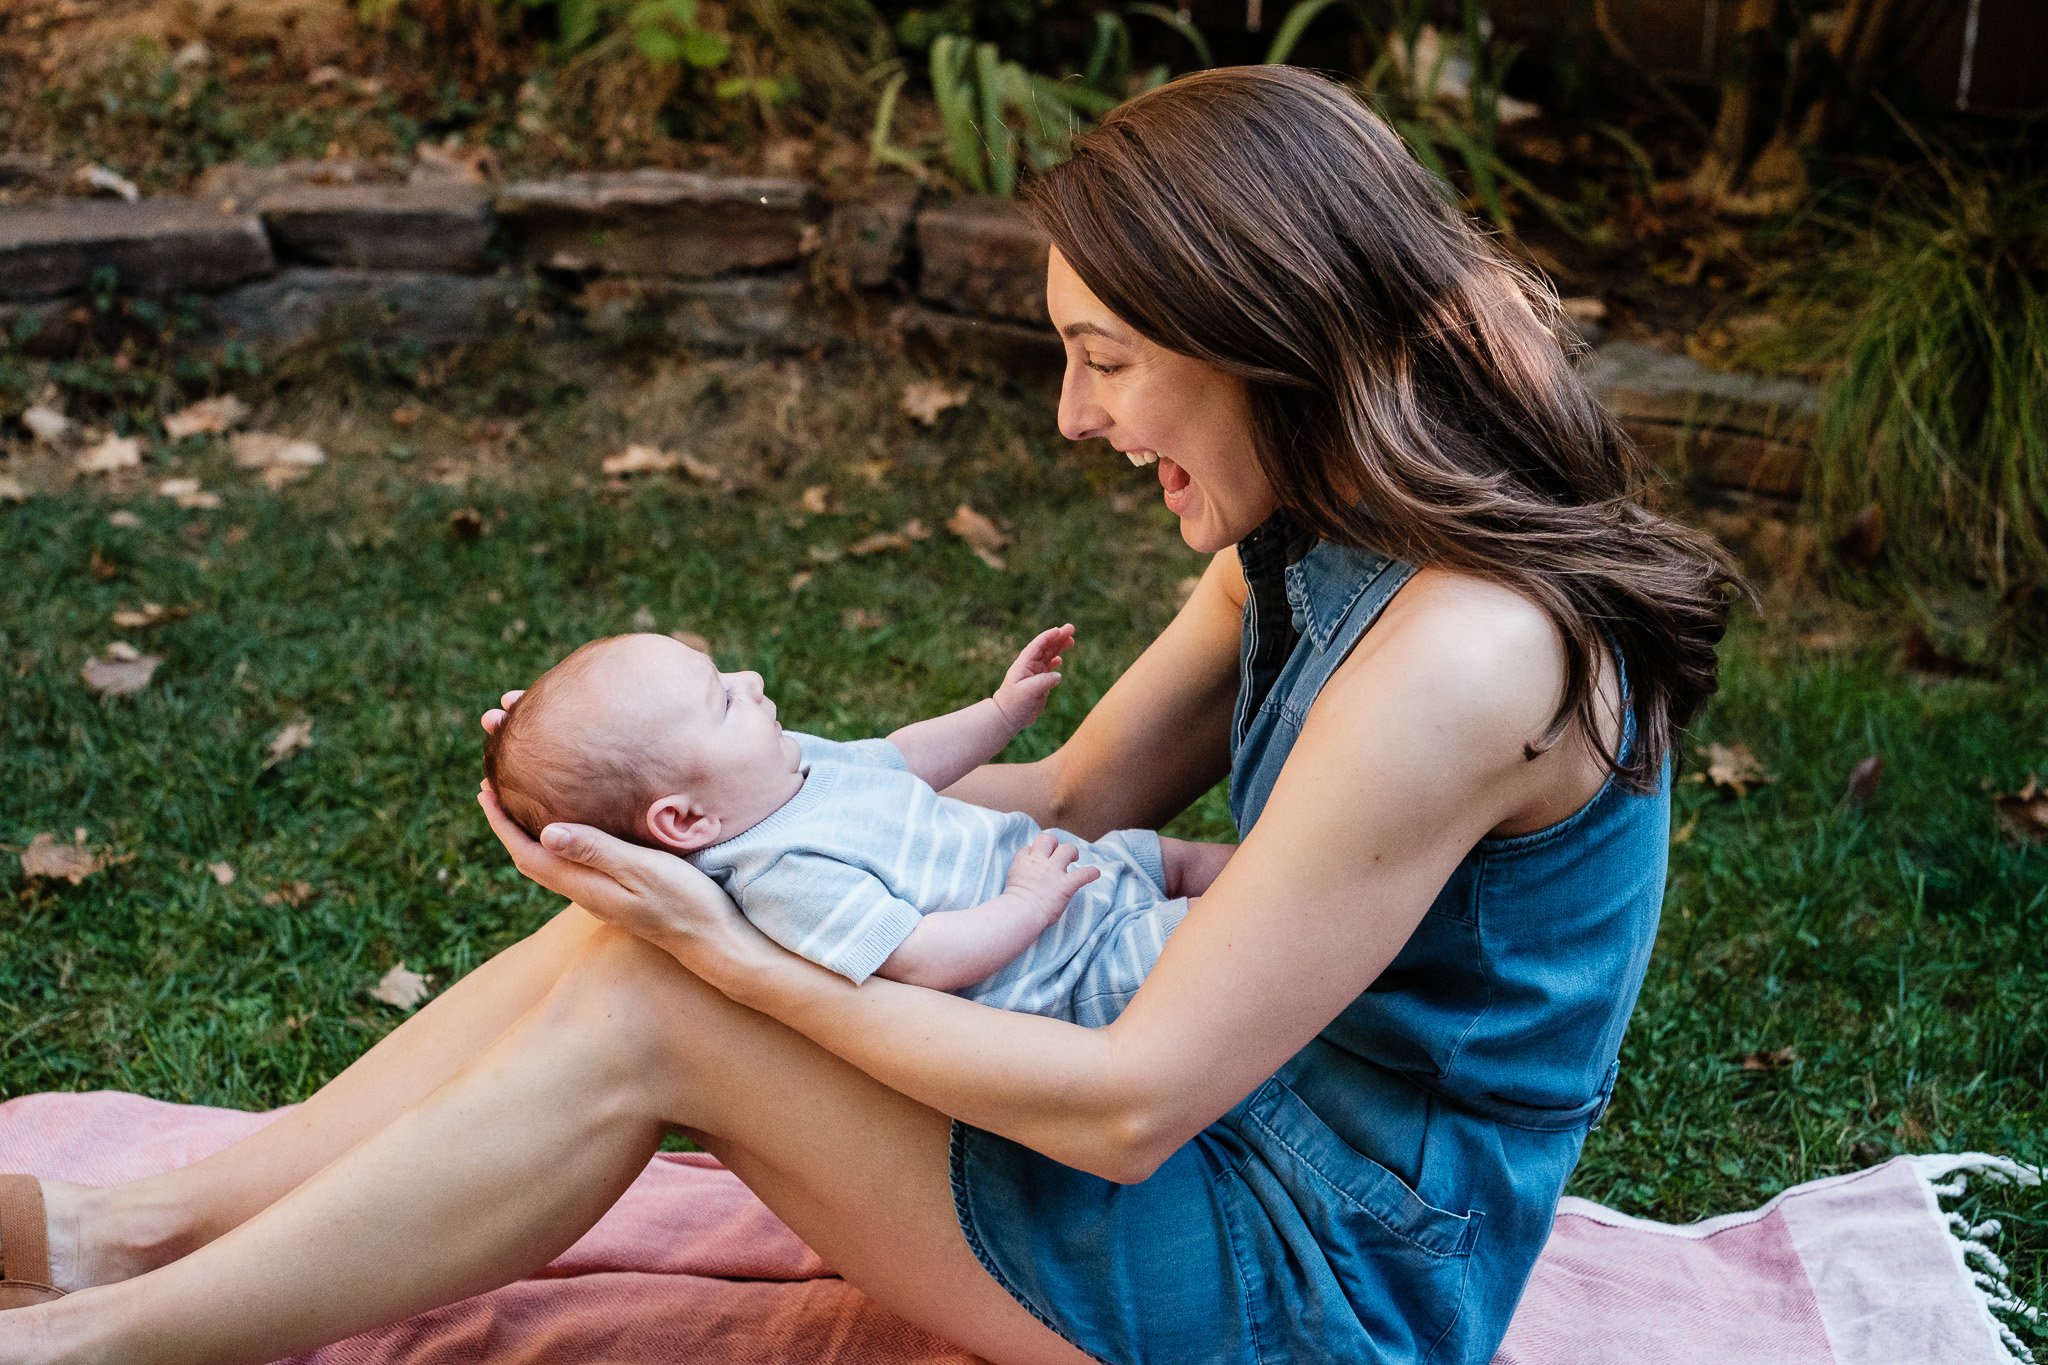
(1046, 872)
(1031, 679)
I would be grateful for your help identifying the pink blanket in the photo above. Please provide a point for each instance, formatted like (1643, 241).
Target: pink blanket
(1853, 1270)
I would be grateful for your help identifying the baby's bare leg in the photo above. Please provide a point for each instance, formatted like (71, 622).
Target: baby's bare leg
(1192, 866)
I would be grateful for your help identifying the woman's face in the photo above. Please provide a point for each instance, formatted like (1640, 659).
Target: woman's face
(1188, 420)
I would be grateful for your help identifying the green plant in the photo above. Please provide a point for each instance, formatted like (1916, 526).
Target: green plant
(668, 34)
(1444, 118)
(994, 111)
(1934, 410)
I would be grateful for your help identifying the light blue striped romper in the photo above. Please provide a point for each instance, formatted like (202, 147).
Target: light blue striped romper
(841, 873)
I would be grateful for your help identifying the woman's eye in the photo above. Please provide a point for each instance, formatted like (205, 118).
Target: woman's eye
(1101, 369)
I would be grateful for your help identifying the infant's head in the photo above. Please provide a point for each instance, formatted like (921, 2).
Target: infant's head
(642, 737)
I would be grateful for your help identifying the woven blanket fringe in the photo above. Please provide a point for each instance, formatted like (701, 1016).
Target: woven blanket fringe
(1946, 1176)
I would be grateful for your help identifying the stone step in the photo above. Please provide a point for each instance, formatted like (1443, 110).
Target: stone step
(982, 257)
(439, 227)
(742, 312)
(1642, 383)
(653, 222)
(432, 308)
(155, 247)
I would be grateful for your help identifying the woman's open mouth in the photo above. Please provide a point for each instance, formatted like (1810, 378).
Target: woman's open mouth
(1175, 481)
(1172, 477)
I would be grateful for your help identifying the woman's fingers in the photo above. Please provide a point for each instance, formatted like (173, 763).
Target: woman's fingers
(537, 862)
(495, 717)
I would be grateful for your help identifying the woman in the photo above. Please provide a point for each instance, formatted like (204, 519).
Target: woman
(1441, 650)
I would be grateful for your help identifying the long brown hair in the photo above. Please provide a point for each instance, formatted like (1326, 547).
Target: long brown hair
(1411, 392)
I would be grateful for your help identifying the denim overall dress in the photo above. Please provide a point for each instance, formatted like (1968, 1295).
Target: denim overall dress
(1384, 1195)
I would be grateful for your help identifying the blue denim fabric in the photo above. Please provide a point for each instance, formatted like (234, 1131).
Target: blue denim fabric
(1383, 1197)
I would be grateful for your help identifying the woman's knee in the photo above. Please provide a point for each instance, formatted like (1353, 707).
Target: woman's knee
(620, 988)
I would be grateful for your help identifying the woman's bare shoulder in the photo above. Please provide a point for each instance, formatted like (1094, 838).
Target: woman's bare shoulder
(1466, 642)
(1476, 665)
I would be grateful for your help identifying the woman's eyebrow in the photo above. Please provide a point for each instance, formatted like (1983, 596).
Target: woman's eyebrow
(1087, 329)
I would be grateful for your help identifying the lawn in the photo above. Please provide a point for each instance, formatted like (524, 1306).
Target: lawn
(1836, 980)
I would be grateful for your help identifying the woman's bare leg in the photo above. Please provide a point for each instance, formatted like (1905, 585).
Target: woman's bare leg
(504, 1166)
(102, 1235)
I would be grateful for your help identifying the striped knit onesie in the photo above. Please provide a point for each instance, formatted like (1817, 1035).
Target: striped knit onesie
(842, 871)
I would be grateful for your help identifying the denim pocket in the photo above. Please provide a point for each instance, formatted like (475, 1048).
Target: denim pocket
(1353, 1263)
(1354, 1179)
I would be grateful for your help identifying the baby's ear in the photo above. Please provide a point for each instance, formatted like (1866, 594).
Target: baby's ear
(673, 824)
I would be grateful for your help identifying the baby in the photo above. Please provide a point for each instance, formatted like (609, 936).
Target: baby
(845, 852)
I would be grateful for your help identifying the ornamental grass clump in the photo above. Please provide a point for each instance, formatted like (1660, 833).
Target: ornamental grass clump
(1935, 406)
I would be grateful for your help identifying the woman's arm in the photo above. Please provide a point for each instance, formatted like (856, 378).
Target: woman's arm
(1411, 755)
(1154, 743)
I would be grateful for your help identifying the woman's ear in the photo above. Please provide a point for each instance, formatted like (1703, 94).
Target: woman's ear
(674, 823)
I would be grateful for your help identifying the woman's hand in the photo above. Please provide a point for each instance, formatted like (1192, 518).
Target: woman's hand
(495, 717)
(653, 894)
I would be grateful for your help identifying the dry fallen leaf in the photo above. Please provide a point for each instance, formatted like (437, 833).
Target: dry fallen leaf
(188, 494)
(118, 670)
(703, 471)
(148, 614)
(860, 618)
(223, 872)
(638, 459)
(2023, 814)
(401, 987)
(405, 415)
(925, 399)
(268, 450)
(74, 862)
(818, 500)
(692, 639)
(1777, 1059)
(207, 417)
(47, 424)
(878, 542)
(11, 489)
(1864, 780)
(800, 579)
(291, 894)
(123, 518)
(980, 534)
(111, 455)
(295, 735)
(643, 618)
(1733, 767)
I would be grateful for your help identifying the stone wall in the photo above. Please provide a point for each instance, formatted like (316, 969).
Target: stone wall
(278, 255)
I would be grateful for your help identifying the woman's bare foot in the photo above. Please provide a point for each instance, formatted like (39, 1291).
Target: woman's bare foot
(101, 1236)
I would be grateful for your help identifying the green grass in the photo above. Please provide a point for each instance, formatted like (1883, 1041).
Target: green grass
(1897, 949)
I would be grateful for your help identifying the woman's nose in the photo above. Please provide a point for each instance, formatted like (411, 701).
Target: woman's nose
(1080, 415)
